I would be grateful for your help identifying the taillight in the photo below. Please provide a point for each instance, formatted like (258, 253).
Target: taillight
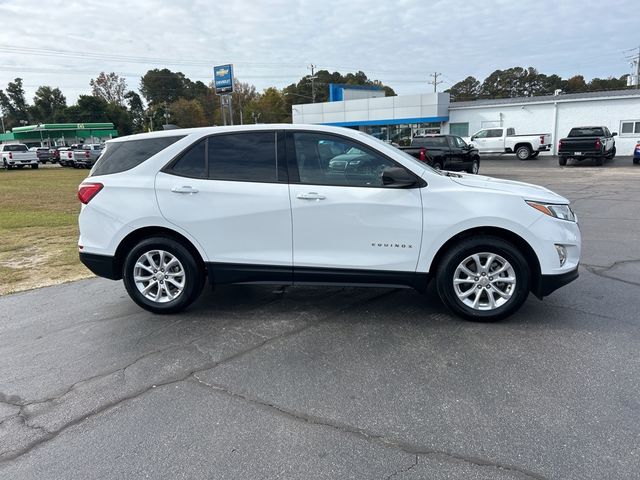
(69, 155)
(423, 154)
(10, 156)
(86, 191)
(541, 139)
(86, 154)
(598, 144)
(559, 144)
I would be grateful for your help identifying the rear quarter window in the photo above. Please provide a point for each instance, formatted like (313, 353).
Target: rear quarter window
(122, 156)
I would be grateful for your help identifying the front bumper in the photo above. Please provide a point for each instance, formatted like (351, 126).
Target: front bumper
(101, 265)
(548, 284)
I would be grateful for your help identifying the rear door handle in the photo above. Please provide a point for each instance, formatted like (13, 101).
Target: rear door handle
(310, 196)
(184, 189)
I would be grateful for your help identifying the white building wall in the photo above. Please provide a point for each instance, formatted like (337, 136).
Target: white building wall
(539, 118)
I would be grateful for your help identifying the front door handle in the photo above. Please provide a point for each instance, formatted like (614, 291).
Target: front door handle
(310, 196)
(184, 189)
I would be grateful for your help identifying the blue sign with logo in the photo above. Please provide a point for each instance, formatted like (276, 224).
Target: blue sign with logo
(223, 78)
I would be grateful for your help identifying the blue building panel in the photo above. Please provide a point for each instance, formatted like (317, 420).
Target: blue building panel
(391, 121)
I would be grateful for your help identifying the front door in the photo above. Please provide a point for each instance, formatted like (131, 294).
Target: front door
(344, 218)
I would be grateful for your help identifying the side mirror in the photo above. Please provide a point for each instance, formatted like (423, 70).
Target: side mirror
(473, 137)
(614, 134)
(397, 177)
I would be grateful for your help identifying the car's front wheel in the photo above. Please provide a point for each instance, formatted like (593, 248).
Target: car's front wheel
(475, 167)
(483, 278)
(162, 276)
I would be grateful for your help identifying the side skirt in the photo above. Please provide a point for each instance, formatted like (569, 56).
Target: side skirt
(235, 273)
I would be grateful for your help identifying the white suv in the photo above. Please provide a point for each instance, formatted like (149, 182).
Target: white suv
(165, 211)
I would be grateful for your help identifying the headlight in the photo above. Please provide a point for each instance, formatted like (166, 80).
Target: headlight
(563, 212)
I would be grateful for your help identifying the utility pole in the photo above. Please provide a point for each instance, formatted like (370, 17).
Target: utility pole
(166, 114)
(256, 116)
(638, 70)
(313, 82)
(435, 81)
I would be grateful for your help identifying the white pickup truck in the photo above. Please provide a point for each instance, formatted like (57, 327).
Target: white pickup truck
(504, 141)
(18, 155)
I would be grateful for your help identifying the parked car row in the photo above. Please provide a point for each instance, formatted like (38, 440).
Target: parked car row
(80, 155)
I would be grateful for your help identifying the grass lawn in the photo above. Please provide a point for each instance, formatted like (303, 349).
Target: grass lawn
(39, 228)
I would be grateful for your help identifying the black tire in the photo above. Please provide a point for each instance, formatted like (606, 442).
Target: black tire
(535, 154)
(523, 152)
(636, 161)
(193, 274)
(562, 161)
(612, 155)
(34, 166)
(599, 161)
(20, 167)
(449, 263)
(475, 167)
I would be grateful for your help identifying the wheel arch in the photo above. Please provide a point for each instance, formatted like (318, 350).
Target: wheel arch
(525, 248)
(136, 236)
(522, 144)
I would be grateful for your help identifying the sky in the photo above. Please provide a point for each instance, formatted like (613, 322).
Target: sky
(65, 43)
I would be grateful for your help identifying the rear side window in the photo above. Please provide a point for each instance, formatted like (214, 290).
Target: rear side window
(433, 142)
(244, 157)
(122, 156)
(192, 162)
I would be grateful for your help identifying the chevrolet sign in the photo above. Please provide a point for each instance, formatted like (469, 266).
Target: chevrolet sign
(223, 79)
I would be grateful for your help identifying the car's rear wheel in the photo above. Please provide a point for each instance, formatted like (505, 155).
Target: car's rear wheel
(34, 165)
(599, 161)
(483, 278)
(612, 154)
(523, 152)
(162, 276)
(562, 161)
(636, 161)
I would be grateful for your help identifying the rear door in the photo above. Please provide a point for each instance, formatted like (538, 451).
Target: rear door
(344, 218)
(230, 192)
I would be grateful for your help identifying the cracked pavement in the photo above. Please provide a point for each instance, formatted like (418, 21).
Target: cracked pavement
(263, 382)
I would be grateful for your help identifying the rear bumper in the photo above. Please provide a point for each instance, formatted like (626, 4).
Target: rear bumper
(548, 284)
(101, 265)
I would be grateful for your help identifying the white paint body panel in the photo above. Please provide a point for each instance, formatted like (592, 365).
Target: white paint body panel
(262, 223)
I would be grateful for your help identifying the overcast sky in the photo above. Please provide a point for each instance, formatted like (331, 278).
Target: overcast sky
(64, 43)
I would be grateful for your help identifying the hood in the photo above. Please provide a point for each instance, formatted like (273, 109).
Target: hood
(525, 190)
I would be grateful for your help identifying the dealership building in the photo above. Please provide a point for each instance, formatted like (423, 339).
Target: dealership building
(400, 118)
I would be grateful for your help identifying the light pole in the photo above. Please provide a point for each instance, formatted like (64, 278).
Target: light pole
(2, 117)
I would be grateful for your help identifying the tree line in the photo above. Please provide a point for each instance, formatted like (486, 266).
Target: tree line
(166, 97)
(171, 97)
(528, 82)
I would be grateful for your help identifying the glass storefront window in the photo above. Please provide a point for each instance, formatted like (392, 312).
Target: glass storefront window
(403, 133)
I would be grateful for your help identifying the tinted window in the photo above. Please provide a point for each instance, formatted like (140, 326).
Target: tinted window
(481, 134)
(192, 162)
(587, 132)
(433, 142)
(495, 133)
(460, 142)
(121, 156)
(245, 157)
(16, 148)
(328, 160)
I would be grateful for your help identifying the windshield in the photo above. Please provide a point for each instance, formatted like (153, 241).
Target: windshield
(390, 148)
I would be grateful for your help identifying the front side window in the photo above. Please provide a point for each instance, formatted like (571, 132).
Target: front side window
(331, 160)
(481, 134)
(244, 157)
(460, 142)
(494, 133)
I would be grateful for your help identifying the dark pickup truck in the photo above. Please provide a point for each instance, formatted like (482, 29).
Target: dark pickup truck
(587, 142)
(445, 152)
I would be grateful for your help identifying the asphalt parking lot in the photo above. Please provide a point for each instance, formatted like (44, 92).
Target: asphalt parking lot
(260, 382)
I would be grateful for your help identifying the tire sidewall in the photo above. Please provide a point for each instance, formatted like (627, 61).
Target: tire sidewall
(193, 275)
(526, 149)
(468, 247)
